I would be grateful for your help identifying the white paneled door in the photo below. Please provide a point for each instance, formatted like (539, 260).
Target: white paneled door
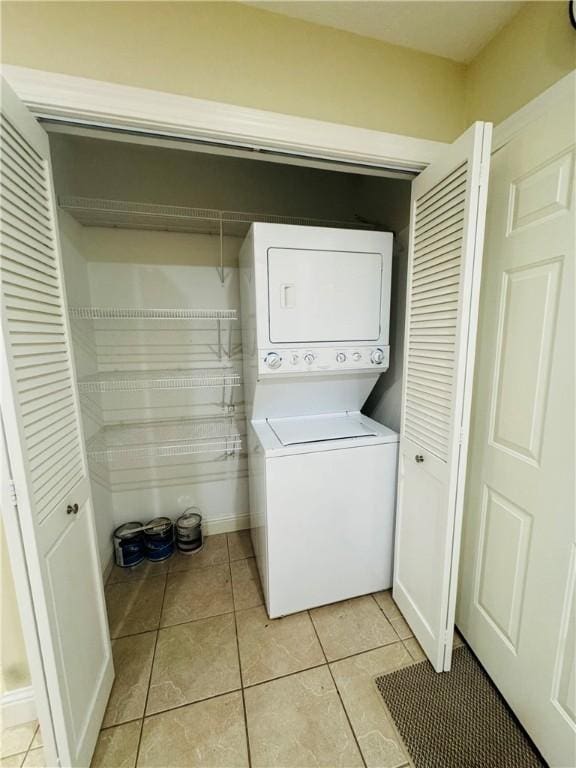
(518, 575)
(446, 237)
(45, 448)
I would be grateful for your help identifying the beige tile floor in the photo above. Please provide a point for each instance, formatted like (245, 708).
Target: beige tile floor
(204, 678)
(21, 745)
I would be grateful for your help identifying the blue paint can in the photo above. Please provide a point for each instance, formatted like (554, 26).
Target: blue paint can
(129, 546)
(159, 539)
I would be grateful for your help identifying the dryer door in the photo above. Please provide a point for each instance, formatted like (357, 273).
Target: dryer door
(324, 296)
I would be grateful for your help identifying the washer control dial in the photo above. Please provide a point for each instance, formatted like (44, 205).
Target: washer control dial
(309, 358)
(294, 358)
(340, 357)
(273, 360)
(377, 356)
(357, 356)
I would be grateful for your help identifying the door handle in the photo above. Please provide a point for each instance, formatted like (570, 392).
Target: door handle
(72, 509)
(418, 458)
(287, 295)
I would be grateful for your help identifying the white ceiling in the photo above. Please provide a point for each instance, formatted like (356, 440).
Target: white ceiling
(456, 29)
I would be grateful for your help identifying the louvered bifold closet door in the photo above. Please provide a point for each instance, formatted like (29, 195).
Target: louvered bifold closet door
(434, 302)
(45, 445)
(446, 236)
(35, 324)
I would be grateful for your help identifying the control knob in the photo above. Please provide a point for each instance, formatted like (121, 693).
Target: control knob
(377, 357)
(357, 356)
(341, 357)
(273, 360)
(309, 357)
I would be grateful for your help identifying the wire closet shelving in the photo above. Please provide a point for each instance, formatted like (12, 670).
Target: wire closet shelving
(98, 212)
(135, 381)
(128, 443)
(185, 314)
(139, 313)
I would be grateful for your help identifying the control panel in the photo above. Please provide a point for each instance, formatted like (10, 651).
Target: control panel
(316, 360)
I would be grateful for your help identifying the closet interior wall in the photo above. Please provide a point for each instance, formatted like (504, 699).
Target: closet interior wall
(125, 264)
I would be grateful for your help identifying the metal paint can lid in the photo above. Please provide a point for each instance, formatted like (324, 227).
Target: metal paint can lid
(159, 526)
(128, 531)
(189, 519)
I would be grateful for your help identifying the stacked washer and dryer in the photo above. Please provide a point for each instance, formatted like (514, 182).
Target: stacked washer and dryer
(315, 324)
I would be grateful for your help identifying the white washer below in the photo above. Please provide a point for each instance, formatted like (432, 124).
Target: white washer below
(322, 494)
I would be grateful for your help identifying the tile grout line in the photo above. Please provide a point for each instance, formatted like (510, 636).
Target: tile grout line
(338, 691)
(249, 755)
(383, 612)
(26, 751)
(173, 709)
(191, 621)
(151, 670)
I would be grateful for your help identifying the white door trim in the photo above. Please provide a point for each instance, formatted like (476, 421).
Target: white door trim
(95, 102)
(24, 601)
(508, 128)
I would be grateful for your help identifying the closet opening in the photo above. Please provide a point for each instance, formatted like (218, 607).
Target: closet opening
(150, 238)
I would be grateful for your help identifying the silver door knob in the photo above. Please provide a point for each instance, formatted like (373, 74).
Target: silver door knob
(419, 458)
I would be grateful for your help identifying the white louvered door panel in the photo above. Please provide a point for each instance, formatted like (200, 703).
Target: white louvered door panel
(45, 447)
(446, 236)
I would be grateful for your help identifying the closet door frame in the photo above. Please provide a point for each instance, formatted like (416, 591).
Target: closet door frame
(85, 103)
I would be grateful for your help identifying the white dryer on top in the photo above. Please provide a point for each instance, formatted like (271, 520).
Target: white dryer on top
(315, 303)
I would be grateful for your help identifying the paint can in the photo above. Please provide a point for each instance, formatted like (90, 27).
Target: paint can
(159, 539)
(129, 547)
(189, 537)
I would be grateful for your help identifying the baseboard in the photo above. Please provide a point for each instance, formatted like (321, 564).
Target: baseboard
(226, 524)
(18, 707)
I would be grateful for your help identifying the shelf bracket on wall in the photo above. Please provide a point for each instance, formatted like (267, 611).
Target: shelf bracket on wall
(228, 405)
(229, 350)
(221, 243)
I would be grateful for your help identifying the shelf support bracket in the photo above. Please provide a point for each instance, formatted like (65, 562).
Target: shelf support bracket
(229, 350)
(221, 243)
(228, 405)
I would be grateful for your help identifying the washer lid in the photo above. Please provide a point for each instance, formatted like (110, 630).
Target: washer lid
(314, 429)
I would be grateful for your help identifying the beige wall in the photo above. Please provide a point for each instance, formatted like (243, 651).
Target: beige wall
(530, 54)
(242, 55)
(13, 663)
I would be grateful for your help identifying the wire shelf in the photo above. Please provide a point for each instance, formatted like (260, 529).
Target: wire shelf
(135, 313)
(163, 439)
(135, 381)
(96, 212)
